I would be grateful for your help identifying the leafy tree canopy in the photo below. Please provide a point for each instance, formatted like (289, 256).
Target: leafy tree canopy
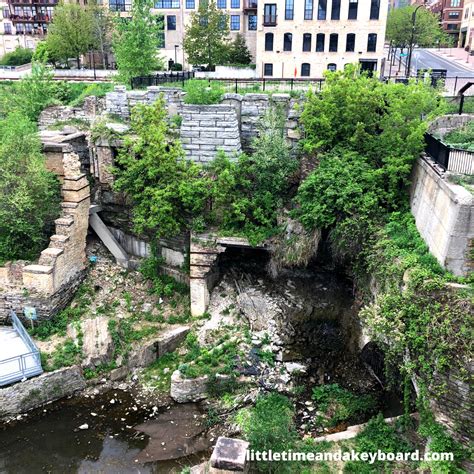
(206, 36)
(238, 52)
(136, 42)
(427, 30)
(29, 194)
(71, 33)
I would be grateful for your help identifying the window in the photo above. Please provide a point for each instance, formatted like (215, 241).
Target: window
(268, 69)
(222, 22)
(374, 9)
(6, 12)
(289, 9)
(336, 10)
(161, 39)
(7, 28)
(372, 42)
(453, 15)
(353, 4)
(222, 4)
(268, 41)
(452, 26)
(322, 9)
(287, 41)
(269, 14)
(171, 22)
(307, 42)
(120, 5)
(350, 42)
(305, 70)
(320, 42)
(332, 67)
(190, 4)
(252, 22)
(235, 22)
(234, 3)
(160, 4)
(333, 37)
(308, 9)
(455, 3)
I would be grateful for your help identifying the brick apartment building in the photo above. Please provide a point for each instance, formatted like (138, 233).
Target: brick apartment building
(287, 38)
(450, 13)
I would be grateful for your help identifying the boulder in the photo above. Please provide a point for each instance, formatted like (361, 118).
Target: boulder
(229, 454)
(185, 390)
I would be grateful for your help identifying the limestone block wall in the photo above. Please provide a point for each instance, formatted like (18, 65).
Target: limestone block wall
(446, 123)
(49, 283)
(207, 129)
(92, 106)
(444, 215)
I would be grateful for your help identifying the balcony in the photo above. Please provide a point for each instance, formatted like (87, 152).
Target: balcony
(33, 2)
(250, 5)
(269, 20)
(30, 19)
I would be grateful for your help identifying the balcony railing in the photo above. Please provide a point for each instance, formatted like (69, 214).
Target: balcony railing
(250, 5)
(30, 19)
(269, 20)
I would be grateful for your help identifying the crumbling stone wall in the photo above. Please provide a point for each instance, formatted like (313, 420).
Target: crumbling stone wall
(230, 126)
(49, 283)
(92, 107)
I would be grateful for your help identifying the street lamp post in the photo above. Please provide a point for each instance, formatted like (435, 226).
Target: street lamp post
(413, 24)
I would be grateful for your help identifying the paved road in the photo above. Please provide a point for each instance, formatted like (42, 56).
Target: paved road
(425, 59)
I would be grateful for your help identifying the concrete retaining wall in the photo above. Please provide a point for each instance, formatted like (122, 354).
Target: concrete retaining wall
(444, 215)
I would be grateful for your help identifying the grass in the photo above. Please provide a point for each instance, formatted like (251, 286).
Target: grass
(158, 374)
(462, 137)
(453, 105)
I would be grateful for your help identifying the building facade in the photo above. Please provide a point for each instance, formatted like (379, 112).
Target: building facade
(287, 38)
(305, 38)
(23, 23)
(466, 37)
(450, 13)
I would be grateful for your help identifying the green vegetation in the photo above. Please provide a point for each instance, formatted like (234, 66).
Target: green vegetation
(71, 33)
(377, 435)
(427, 31)
(17, 57)
(166, 190)
(341, 406)
(67, 354)
(205, 40)
(462, 137)
(158, 374)
(29, 195)
(200, 92)
(136, 42)
(238, 53)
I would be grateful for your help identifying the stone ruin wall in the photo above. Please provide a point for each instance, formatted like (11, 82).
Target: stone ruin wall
(206, 129)
(50, 283)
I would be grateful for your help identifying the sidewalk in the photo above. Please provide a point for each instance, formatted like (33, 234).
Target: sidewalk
(458, 55)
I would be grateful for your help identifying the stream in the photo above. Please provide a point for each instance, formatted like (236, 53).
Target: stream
(49, 440)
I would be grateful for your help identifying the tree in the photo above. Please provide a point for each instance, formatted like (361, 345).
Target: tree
(44, 54)
(71, 34)
(30, 95)
(166, 190)
(103, 28)
(238, 52)
(29, 194)
(206, 35)
(427, 31)
(136, 42)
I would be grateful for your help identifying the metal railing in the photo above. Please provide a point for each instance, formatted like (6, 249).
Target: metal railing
(451, 84)
(24, 365)
(448, 158)
(236, 85)
(162, 78)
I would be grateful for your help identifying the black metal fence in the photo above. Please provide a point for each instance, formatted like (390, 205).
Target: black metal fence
(451, 84)
(450, 159)
(232, 85)
(141, 82)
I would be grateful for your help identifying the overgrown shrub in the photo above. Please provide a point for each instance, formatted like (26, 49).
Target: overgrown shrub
(462, 137)
(29, 193)
(201, 92)
(17, 57)
(340, 405)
